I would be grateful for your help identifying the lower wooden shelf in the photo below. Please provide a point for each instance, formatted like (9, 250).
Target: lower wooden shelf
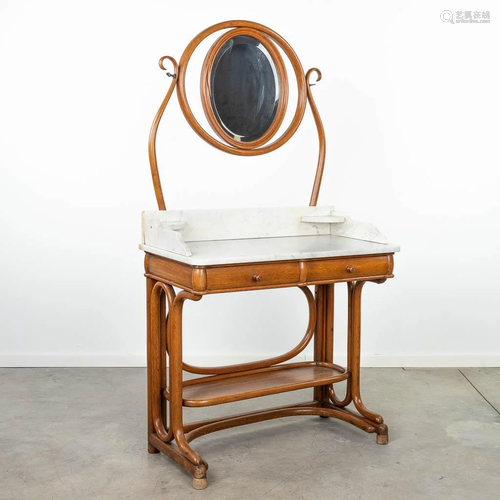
(214, 390)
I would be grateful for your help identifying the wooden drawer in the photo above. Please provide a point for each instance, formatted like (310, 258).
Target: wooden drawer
(349, 268)
(250, 276)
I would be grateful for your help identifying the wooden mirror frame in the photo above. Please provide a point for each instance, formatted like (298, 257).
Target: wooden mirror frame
(206, 91)
(304, 94)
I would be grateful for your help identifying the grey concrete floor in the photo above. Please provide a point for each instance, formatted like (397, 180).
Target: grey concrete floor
(75, 434)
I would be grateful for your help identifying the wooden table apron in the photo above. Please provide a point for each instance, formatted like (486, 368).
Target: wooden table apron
(166, 430)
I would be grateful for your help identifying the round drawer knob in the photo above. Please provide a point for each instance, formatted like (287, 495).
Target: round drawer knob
(257, 277)
(350, 269)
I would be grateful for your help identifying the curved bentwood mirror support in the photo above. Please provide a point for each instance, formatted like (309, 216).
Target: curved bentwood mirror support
(244, 92)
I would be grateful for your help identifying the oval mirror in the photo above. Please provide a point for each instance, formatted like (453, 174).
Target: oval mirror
(245, 90)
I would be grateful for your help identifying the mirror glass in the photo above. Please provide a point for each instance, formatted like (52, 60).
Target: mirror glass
(245, 90)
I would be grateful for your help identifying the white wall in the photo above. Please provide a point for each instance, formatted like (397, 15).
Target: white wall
(411, 109)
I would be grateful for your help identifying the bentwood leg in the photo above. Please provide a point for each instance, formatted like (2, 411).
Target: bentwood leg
(149, 289)
(197, 467)
(160, 436)
(331, 391)
(318, 336)
(355, 347)
(367, 420)
(323, 338)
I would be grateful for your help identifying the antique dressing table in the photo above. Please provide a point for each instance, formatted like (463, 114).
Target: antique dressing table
(244, 90)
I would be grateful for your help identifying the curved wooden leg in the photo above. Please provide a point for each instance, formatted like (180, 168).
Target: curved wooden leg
(357, 420)
(157, 363)
(325, 396)
(165, 334)
(323, 336)
(355, 333)
(319, 335)
(149, 289)
(175, 388)
(331, 391)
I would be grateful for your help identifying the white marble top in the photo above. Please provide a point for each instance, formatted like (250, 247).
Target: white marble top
(205, 253)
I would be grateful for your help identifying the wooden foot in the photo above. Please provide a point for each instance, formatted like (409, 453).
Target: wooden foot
(382, 438)
(152, 449)
(199, 484)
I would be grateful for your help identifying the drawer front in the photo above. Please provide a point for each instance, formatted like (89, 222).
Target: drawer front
(253, 276)
(349, 268)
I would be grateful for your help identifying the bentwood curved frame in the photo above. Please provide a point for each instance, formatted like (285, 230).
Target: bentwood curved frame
(166, 430)
(271, 40)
